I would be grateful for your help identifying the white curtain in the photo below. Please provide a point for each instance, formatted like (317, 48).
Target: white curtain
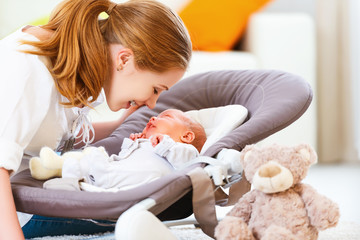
(354, 16)
(336, 89)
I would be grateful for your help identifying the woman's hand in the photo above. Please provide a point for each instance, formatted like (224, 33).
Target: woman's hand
(130, 110)
(104, 129)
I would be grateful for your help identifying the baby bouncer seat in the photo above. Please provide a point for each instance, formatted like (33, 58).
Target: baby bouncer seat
(274, 100)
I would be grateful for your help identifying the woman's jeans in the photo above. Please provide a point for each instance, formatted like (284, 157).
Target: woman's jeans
(40, 226)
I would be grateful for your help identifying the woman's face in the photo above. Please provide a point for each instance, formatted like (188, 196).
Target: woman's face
(128, 83)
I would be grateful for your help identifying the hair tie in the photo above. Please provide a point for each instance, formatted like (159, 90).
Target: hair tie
(111, 7)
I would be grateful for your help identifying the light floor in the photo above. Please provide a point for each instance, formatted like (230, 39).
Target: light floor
(341, 183)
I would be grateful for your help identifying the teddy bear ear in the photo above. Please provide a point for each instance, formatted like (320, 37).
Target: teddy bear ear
(308, 153)
(246, 149)
(244, 154)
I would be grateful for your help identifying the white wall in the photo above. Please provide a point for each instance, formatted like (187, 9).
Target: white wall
(16, 13)
(354, 15)
(306, 6)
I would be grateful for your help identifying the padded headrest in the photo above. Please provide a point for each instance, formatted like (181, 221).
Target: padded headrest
(218, 121)
(274, 99)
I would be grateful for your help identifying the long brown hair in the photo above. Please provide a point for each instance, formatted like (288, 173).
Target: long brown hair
(79, 46)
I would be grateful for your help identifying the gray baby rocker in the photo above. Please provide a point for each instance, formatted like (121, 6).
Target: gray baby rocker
(273, 99)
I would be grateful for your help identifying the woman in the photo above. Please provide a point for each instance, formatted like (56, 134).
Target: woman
(58, 72)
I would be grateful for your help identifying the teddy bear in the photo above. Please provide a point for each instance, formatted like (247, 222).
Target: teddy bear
(279, 206)
(49, 163)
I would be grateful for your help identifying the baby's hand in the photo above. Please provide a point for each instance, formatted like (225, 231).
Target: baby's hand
(156, 139)
(134, 136)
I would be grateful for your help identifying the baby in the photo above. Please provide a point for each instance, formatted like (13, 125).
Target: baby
(174, 136)
(171, 136)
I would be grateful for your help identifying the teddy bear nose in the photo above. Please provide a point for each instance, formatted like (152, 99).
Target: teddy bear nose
(269, 170)
(272, 177)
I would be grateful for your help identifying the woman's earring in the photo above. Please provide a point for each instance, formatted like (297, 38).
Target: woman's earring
(119, 67)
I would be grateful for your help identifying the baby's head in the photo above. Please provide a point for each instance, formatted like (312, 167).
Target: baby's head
(178, 126)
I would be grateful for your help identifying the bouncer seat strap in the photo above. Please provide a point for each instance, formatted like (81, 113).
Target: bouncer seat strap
(203, 200)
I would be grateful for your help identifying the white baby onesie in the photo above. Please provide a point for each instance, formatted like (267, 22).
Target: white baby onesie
(137, 163)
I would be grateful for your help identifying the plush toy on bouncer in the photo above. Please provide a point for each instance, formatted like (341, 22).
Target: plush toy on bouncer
(279, 206)
(49, 164)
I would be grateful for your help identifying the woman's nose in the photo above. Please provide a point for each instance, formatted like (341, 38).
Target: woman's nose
(151, 102)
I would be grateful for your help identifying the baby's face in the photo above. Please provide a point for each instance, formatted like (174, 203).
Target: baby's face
(169, 122)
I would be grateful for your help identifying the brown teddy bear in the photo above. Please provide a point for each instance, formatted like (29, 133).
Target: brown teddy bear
(279, 206)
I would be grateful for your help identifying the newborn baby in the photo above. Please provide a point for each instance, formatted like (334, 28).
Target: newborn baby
(166, 143)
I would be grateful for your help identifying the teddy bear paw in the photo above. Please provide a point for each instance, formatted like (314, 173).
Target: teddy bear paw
(278, 233)
(233, 228)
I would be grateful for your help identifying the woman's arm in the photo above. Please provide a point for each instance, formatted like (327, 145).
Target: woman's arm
(104, 129)
(9, 223)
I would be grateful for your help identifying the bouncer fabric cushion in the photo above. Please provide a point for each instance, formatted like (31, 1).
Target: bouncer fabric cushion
(274, 100)
(218, 121)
